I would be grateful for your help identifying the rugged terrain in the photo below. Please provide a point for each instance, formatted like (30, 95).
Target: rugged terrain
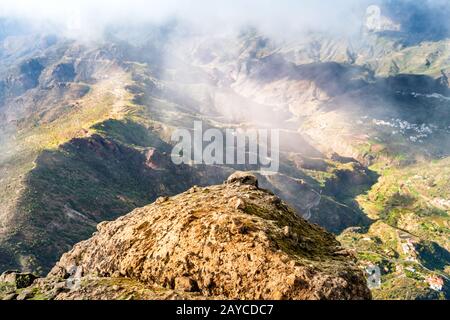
(71, 161)
(232, 241)
(365, 133)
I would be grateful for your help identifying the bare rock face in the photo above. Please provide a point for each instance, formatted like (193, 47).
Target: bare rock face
(231, 241)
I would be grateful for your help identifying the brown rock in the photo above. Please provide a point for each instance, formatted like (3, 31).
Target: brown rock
(244, 178)
(185, 284)
(10, 296)
(240, 204)
(25, 295)
(201, 252)
(161, 200)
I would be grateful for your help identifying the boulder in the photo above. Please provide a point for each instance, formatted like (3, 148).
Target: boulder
(245, 178)
(19, 280)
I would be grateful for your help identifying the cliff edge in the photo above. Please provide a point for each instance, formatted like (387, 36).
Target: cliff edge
(231, 241)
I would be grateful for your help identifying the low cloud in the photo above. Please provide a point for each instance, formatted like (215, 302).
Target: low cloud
(282, 16)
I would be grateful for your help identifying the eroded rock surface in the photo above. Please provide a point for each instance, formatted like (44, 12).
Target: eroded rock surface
(231, 241)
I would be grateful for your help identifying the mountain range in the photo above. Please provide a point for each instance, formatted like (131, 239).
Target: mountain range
(364, 125)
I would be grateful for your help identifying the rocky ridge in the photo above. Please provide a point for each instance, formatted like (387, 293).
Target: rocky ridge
(232, 241)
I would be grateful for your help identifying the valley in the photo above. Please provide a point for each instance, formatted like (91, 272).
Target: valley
(364, 145)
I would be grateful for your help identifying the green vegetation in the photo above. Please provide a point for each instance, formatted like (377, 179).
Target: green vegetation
(406, 204)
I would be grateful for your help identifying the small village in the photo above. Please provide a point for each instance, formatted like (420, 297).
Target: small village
(435, 282)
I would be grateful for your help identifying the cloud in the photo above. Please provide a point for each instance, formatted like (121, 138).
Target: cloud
(279, 16)
(89, 18)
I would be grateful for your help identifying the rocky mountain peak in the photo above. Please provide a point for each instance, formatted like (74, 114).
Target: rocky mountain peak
(232, 241)
(244, 178)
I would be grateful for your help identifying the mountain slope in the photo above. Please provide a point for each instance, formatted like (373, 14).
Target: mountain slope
(233, 241)
(76, 158)
(364, 127)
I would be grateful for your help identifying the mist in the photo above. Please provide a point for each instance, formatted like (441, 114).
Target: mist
(86, 19)
(89, 18)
